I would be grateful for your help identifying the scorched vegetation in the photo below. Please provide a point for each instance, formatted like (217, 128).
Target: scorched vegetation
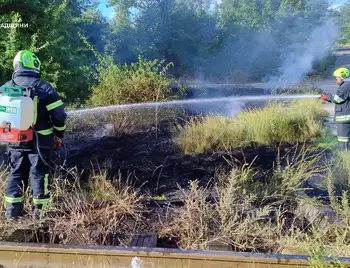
(267, 189)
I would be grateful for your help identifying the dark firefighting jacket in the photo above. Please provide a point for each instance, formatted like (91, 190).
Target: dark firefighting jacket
(49, 114)
(342, 102)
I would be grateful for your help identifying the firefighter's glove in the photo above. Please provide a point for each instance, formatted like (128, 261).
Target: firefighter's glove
(58, 144)
(58, 134)
(324, 97)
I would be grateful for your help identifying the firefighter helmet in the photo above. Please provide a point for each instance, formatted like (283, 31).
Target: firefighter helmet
(26, 59)
(342, 72)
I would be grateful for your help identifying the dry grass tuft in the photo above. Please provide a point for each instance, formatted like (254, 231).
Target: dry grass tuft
(328, 234)
(3, 182)
(92, 214)
(246, 211)
(332, 236)
(99, 213)
(117, 191)
(276, 123)
(340, 172)
(232, 219)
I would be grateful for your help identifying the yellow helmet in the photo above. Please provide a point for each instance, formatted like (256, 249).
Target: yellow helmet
(342, 72)
(26, 59)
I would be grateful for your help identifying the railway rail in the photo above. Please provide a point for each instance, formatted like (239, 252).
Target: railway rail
(46, 255)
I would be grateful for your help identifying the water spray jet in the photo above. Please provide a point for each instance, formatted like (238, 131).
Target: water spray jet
(175, 103)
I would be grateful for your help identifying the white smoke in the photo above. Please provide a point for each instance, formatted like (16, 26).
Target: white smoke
(300, 60)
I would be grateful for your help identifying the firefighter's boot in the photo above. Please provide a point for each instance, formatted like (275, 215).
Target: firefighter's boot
(13, 210)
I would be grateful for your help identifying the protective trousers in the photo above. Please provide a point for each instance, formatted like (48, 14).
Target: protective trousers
(22, 165)
(343, 133)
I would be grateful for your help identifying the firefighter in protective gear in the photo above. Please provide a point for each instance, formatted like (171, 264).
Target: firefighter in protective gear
(25, 159)
(342, 106)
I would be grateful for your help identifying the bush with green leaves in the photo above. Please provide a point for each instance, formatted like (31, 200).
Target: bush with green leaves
(142, 81)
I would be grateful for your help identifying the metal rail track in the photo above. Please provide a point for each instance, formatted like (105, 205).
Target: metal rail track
(47, 255)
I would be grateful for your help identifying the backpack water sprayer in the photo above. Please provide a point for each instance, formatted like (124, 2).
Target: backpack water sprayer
(16, 115)
(17, 112)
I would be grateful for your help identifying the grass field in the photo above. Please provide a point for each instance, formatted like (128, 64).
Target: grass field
(241, 181)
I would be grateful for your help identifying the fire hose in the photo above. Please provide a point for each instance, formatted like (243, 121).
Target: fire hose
(59, 145)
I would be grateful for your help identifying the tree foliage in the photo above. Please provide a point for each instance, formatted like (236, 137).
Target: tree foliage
(343, 16)
(208, 40)
(205, 39)
(52, 34)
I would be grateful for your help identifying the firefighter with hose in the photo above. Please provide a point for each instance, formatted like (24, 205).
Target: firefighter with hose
(29, 159)
(342, 106)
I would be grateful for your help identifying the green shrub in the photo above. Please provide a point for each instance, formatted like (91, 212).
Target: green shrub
(143, 81)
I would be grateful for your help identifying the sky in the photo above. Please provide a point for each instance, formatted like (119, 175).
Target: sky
(109, 12)
(340, 2)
